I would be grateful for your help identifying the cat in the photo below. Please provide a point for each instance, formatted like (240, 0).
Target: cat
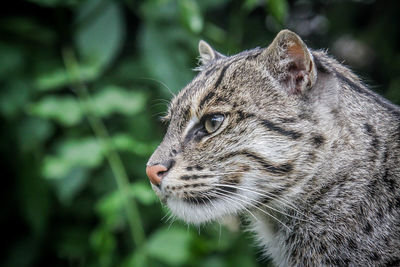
(294, 140)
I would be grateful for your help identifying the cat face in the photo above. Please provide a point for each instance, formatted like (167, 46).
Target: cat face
(233, 141)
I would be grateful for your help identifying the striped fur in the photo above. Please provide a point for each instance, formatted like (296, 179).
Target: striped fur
(306, 150)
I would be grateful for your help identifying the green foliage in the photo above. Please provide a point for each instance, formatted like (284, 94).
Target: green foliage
(95, 19)
(66, 192)
(170, 245)
(278, 9)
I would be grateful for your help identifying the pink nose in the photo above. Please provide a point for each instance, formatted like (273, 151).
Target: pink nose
(155, 173)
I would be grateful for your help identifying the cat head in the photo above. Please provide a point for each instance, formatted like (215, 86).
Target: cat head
(235, 137)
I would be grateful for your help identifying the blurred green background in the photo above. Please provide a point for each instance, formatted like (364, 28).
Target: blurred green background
(82, 85)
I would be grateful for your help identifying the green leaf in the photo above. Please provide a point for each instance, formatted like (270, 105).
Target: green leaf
(279, 9)
(110, 208)
(190, 15)
(100, 32)
(249, 5)
(172, 69)
(214, 33)
(59, 78)
(170, 245)
(137, 259)
(158, 10)
(55, 167)
(70, 185)
(113, 202)
(104, 244)
(143, 193)
(125, 142)
(86, 152)
(113, 99)
(65, 110)
(33, 132)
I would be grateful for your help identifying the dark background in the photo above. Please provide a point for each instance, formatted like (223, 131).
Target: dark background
(82, 84)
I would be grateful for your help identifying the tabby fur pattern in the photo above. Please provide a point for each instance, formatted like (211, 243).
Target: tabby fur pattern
(306, 151)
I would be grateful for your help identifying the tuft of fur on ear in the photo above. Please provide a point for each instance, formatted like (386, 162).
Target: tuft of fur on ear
(207, 54)
(291, 63)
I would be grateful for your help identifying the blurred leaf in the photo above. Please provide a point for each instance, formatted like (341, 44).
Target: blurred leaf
(104, 243)
(83, 152)
(249, 5)
(170, 68)
(112, 202)
(65, 110)
(33, 132)
(214, 33)
(279, 9)
(143, 193)
(125, 142)
(110, 206)
(86, 152)
(170, 245)
(190, 15)
(115, 99)
(137, 259)
(158, 10)
(100, 33)
(70, 185)
(58, 78)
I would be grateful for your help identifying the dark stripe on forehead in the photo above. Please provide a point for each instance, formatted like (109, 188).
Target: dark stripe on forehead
(210, 70)
(275, 128)
(206, 98)
(221, 75)
(211, 94)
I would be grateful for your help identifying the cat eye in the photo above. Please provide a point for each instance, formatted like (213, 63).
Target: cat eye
(213, 122)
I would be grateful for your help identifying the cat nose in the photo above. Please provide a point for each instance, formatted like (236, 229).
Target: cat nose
(155, 173)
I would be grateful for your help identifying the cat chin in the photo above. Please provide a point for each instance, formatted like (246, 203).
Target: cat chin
(200, 213)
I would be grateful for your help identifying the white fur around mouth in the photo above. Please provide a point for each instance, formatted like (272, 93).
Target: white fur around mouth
(200, 213)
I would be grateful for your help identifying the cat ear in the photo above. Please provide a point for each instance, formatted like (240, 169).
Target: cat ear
(207, 53)
(291, 62)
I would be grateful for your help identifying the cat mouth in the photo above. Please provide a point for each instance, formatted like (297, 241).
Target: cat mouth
(201, 209)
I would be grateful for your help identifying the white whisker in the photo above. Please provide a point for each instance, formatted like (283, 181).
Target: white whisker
(263, 211)
(266, 205)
